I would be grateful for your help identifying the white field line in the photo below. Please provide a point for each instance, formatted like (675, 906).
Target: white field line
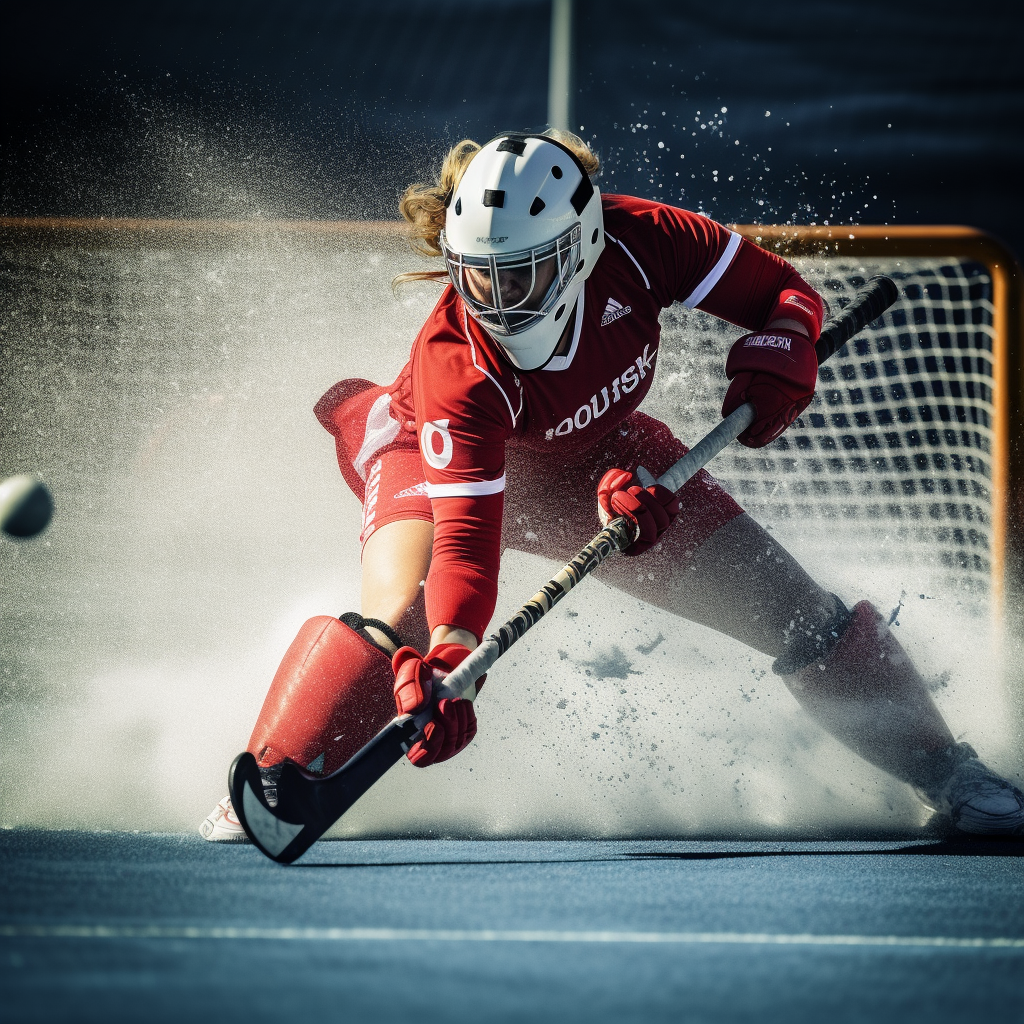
(30, 931)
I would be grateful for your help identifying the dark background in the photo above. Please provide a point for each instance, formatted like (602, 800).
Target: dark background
(879, 111)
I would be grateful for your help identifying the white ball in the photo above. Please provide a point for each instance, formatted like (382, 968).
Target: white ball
(26, 505)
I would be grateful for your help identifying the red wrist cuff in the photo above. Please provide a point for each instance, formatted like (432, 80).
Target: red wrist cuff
(447, 656)
(806, 310)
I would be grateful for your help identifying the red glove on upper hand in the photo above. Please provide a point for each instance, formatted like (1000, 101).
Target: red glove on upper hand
(453, 722)
(776, 371)
(653, 508)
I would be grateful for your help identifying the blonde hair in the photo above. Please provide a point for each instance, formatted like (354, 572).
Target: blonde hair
(424, 206)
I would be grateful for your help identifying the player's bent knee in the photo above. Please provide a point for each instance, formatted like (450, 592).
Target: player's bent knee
(852, 655)
(331, 694)
(814, 642)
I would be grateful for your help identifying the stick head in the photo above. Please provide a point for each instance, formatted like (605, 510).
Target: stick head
(278, 838)
(308, 805)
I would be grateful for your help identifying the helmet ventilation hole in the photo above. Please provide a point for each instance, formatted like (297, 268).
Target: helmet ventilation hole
(536, 206)
(560, 311)
(593, 237)
(579, 267)
(556, 172)
(458, 206)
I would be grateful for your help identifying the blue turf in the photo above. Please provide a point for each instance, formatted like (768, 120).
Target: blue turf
(855, 889)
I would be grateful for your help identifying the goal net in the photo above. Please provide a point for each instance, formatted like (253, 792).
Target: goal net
(902, 457)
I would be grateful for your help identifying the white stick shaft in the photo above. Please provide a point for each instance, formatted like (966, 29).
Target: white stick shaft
(703, 451)
(866, 306)
(462, 682)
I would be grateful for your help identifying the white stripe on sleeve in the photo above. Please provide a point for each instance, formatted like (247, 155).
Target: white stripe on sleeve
(701, 291)
(468, 489)
(647, 284)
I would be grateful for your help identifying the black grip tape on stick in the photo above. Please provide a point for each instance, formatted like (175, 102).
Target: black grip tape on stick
(868, 305)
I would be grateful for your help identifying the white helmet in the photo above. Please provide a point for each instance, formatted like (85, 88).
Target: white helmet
(523, 232)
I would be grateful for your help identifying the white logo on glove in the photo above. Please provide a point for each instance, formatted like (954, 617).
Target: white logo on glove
(432, 430)
(768, 341)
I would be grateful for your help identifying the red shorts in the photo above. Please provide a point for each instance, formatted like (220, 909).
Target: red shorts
(550, 505)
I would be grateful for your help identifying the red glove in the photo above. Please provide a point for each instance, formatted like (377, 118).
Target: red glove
(453, 721)
(653, 508)
(777, 372)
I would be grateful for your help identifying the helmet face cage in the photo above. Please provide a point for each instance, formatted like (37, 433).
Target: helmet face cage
(502, 295)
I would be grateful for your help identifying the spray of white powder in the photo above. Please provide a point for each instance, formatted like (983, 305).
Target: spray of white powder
(163, 385)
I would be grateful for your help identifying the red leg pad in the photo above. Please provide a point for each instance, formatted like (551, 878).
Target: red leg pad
(869, 695)
(868, 660)
(331, 694)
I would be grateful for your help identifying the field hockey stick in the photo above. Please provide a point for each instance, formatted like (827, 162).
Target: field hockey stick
(308, 805)
(867, 305)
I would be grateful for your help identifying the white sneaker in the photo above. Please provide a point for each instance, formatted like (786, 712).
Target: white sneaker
(222, 826)
(976, 800)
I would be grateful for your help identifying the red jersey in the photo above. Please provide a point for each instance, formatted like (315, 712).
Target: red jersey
(469, 401)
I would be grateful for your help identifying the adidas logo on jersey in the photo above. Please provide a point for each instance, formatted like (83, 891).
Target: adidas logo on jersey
(412, 492)
(613, 311)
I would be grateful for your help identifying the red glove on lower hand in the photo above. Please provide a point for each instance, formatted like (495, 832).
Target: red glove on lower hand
(776, 371)
(453, 721)
(653, 508)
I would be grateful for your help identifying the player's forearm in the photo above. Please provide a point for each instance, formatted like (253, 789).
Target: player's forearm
(461, 598)
(453, 635)
(462, 585)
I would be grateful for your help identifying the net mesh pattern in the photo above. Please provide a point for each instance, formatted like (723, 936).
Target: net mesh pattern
(894, 454)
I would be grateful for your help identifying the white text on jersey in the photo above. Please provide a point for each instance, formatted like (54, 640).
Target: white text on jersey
(598, 405)
(436, 429)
